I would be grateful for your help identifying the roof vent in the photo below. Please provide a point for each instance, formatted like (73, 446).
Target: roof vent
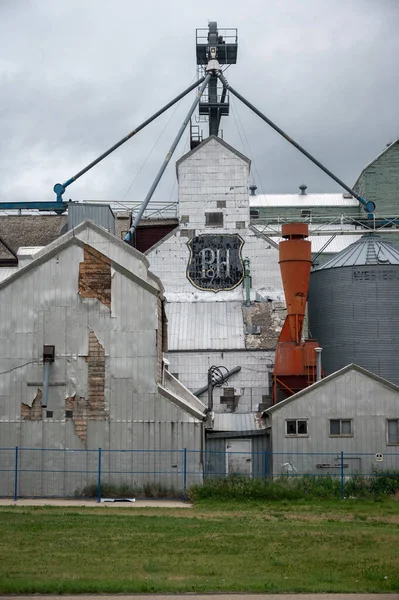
(303, 189)
(253, 189)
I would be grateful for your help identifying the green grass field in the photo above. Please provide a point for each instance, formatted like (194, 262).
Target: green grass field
(256, 547)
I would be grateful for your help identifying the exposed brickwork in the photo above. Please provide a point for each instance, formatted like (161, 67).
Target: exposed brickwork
(96, 377)
(34, 412)
(95, 276)
(93, 407)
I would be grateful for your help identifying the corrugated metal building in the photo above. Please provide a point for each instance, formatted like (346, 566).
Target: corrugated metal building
(352, 410)
(94, 299)
(239, 443)
(201, 265)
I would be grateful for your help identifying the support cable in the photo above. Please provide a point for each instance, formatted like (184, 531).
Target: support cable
(369, 206)
(59, 188)
(129, 235)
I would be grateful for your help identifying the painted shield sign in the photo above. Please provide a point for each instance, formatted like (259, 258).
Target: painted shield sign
(215, 262)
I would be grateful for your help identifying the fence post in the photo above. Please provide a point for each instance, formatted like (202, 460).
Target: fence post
(16, 474)
(265, 465)
(185, 474)
(342, 477)
(99, 477)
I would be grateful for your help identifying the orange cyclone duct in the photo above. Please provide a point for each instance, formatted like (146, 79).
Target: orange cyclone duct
(295, 364)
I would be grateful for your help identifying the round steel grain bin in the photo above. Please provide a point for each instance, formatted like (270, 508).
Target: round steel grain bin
(353, 308)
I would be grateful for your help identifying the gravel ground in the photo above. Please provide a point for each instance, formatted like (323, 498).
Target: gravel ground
(73, 502)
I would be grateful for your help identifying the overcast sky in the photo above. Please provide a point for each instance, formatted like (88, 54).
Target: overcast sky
(78, 75)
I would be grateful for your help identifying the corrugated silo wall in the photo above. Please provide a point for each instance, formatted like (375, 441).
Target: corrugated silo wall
(215, 455)
(354, 316)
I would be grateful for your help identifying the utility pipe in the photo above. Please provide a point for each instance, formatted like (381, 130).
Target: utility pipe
(46, 381)
(221, 380)
(369, 206)
(165, 163)
(318, 363)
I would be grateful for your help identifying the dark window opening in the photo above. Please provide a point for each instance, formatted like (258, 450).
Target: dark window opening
(221, 203)
(49, 414)
(69, 414)
(254, 213)
(296, 427)
(393, 431)
(340, 427)
(214, 219)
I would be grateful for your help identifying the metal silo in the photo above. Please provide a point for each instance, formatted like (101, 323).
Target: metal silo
(353, 307)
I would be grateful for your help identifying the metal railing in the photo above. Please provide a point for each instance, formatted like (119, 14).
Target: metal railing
(61, 473)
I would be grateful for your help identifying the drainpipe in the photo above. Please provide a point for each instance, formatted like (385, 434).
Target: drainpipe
(318, 363)
(247, 282)
(48, 359)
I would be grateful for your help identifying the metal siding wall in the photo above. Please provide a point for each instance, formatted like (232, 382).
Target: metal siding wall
(215, 463)
(350, 396)
(253, 378)
(356, 321)
(100, 215)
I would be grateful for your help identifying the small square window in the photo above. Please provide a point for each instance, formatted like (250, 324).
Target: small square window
(340, 427)
(297, 427)
(214, 219)
(69, 414)
(49, 414)
(254, 213)
(393, 431)
(221, 203)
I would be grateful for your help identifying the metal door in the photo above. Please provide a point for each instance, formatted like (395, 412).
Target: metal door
(239, 457)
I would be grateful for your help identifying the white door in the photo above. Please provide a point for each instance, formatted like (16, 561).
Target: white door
(239, 457)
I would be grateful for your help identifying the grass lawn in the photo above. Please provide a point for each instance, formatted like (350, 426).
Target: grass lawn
(349, 546)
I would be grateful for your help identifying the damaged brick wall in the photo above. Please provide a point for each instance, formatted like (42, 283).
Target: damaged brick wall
(34, 412)
(95, 276)
(269, 316)
(82, 410)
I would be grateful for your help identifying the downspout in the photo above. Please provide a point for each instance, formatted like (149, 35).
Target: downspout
(318, 363)
(247, 282)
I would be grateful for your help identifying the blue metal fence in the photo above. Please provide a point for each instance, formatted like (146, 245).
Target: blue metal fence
(52, 473)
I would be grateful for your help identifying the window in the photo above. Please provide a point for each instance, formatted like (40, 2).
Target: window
(68, 414)
(49, 414)
(254, 213)
(221, 203)
(306, 212)
(340, 427)
(296, 427)
(185, 219)
(240, 224)
(393, 431)
(214, 219)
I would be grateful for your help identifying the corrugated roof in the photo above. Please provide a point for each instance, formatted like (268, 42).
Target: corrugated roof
(339, 243)
(237, 422)
(370, 249)
(300, 200)
(205, 325)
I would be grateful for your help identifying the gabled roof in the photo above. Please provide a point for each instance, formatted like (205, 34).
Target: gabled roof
(326, 380)
(206, 141)
(75, 236)
(387, 149)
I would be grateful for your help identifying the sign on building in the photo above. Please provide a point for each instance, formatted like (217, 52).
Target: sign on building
(215, 262)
